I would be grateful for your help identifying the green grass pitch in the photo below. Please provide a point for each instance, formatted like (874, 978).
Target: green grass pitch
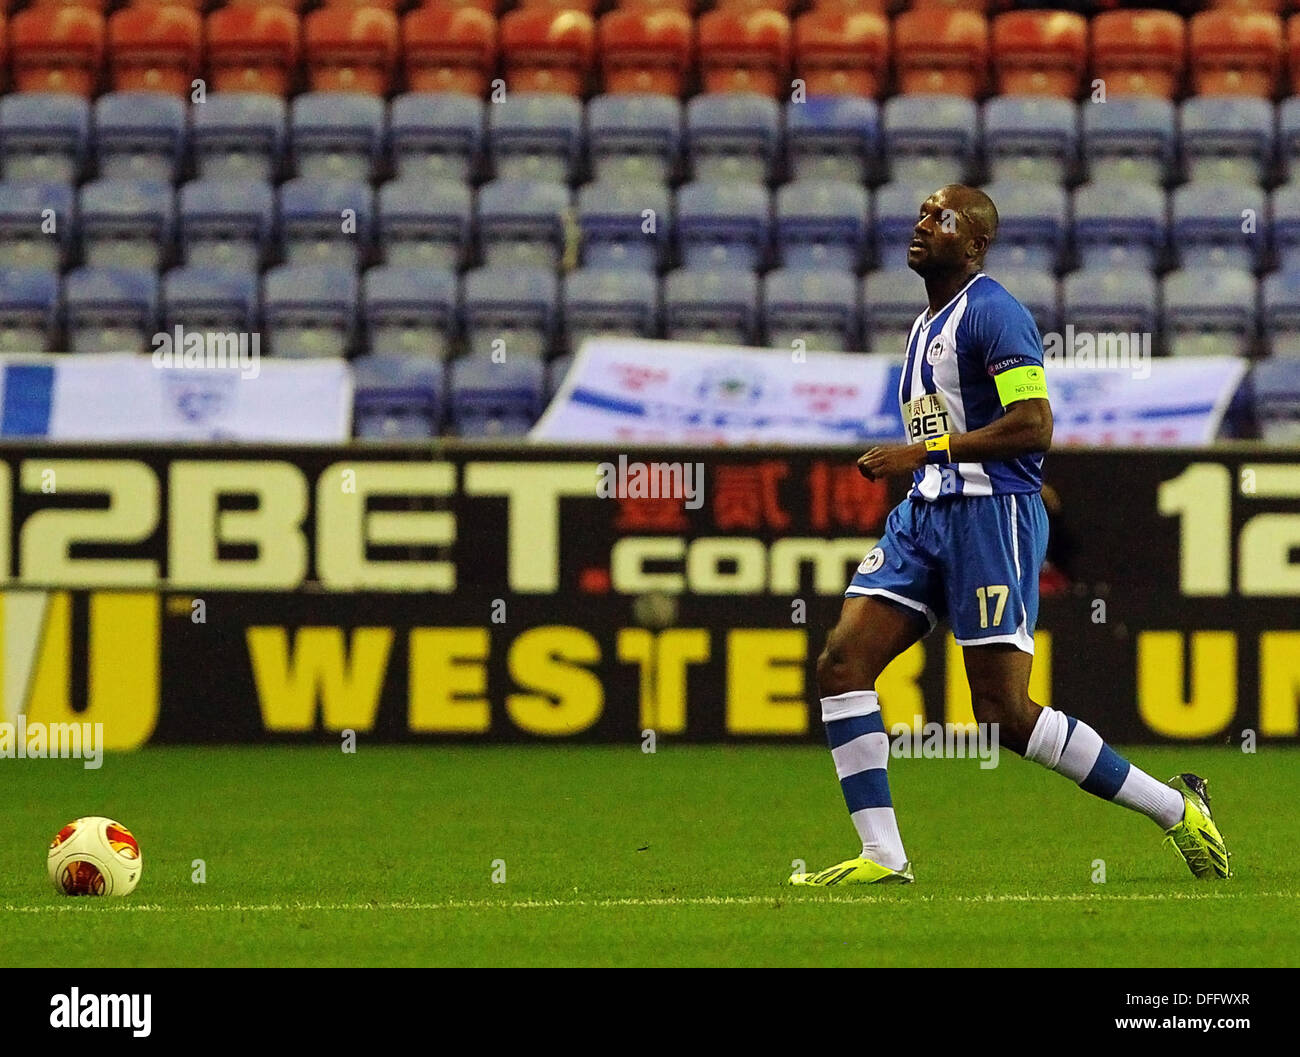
(616, 857)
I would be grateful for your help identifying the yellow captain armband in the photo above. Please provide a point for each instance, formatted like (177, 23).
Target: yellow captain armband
(936, 448)
(1021, 383)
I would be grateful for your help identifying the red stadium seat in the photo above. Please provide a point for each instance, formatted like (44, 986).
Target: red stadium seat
(4, 49)
(1293, 50)
(252, 49)
(350, 49)
(1040, 53)
(1275, 7)
(685, 6)
(56, 49)
(978, 6)
(491, 7)
(193, 5)
(854, 7)
(548, 50)
(155, 49)
(449, 49)
(745, 51)
(1139, 52)
(780, 6)
(837, 53)
(940, 51)
(589, 6)
(89, 5)
(382, 5)
(645, 51)
(288, 5)
(1236, 53)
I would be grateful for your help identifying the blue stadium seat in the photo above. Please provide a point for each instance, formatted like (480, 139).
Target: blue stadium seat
(510, 312)
(833, 138)
(724, 225)
(1227, 139)
(410, 311)
(733, 137)
(44, 138)
(309, 311)
(337, 135)
(535, 136)
(239, 136)
(140, 136)
(1037, 291)
(110, 309)
(891, 301)
(204, 300)
(126, 223)
(637, 138)
(313, 214)
(521, 223)
(436, 136)
(397, 397)
(1288, 135)
(1209, 311)
(1275, 392)
(818, 308)
(1031, 138)
(1280, 312)
(822, 224)
(616, 231)
(610, 301)
(1285, 210)
(712, 306)
(496, 399)
(1129, 139)
(1124, 230)
(1111, 300)
(29, 310)
(423, 224)
(930, 139)
(1034, 221)
(1207, 223)
(37, 225)
(226, 225)
(897, 208)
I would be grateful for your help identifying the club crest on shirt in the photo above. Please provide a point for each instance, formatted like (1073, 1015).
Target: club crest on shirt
(934, 353)
(873, 561)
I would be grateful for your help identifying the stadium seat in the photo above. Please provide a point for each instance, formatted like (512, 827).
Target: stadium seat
(617, 231)
(1126, 230)
(1111, 301)
(449, 49)
(1208, 222)
(29, 310)
(1033, 138)
(226, 225)
(733, 137)
(547, 50)
(252, 48)
(425, 225)
(436, 136)
(891, 301)
(822, 224)
(1227, 138)
(126, 224)
(931, 139)
(510, 312)
(833, 138)
(1035, 290)
(396, 398)
(610, 301)
(1275, 393)
(239, 136)
(841, 52)
(645, 51)
(495, 399)
(1034, 224)
(309, 311)
(325, 222)
(1293, 52)
(636, 138)
(811, 309)
(1209, 311)
(723, 225)
(350, 49)
(1280, 312)
(44, 137)
(110, 310)
(37, 223)
(56, 49)
(897, 207)
(941, 52)
(410, 311)
(215, 301)
(1285, 210)
(1039, 53)
(1140, 53)
(522, 223)
(1129, 140)
(1236, 53)
(337, 135)
(155, 49)
(711, 306)
(535, 136)
(744, 51)
(140, 135)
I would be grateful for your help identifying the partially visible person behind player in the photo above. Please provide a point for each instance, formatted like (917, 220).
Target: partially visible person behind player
(967, 544)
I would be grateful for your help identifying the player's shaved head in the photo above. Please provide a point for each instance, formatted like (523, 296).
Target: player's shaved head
(956, 226)
(977, 207)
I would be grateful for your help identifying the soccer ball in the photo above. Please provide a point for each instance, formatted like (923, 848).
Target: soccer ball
(95, 856)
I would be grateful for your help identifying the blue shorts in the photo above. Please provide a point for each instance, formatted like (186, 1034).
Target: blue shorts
(973, 560)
